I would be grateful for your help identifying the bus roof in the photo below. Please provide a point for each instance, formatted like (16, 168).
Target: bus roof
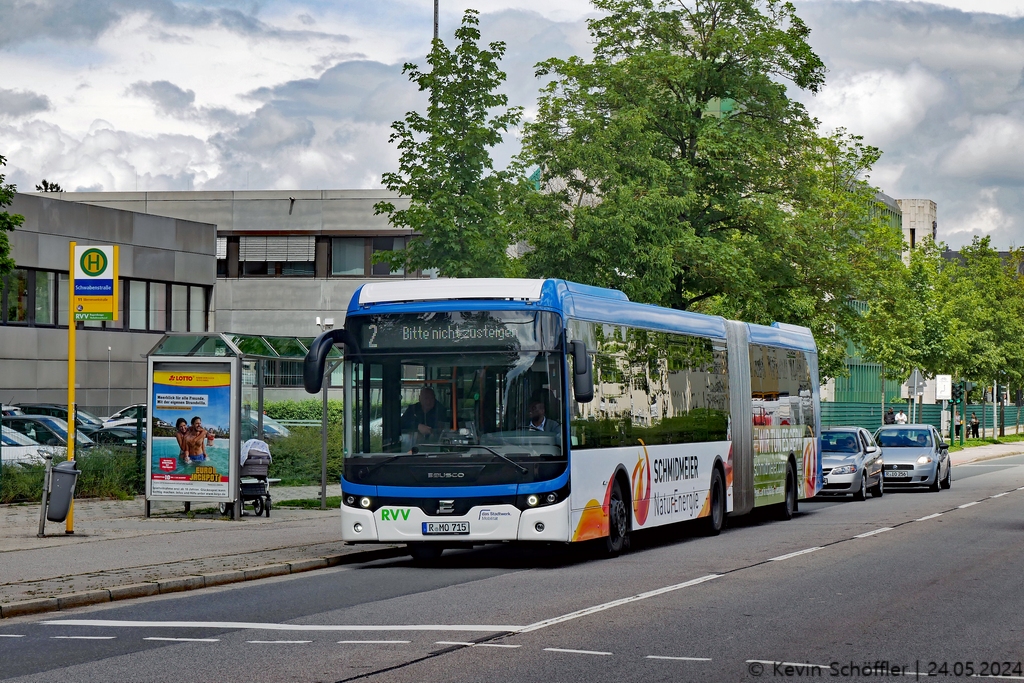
(571, 299)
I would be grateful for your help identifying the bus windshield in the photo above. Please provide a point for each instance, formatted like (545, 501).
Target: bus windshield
(478, 403)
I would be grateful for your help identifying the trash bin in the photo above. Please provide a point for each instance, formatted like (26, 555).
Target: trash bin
(63, 477)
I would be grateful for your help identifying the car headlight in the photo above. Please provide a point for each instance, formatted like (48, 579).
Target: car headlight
(843, 469)
(924, 460)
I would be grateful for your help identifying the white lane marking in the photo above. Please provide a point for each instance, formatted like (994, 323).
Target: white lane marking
(577, 652)
(1020, 488)
(374, 642)
(773, 663)
(1000, 495)
(278, 642)
(1001, 678)
(8, 635)
(876, 531)
(187, 640)
(82, 637)
(967, 505)
(681, 659)
(931, 516)
(465, 644)
(797, 553)
(255, 626)
(614, 603)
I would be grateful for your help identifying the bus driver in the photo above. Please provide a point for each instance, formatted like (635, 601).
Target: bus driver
(423, 419)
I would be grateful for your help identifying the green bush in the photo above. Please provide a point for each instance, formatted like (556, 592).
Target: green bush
(310, 409)
(296, 459)
(106, 473)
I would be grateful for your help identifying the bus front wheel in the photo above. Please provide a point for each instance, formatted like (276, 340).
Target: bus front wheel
(618, 522)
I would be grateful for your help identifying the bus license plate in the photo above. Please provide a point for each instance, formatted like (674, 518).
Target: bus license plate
(445, 528)
(897, 475)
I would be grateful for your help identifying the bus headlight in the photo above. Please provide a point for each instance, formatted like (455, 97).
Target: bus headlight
(365, 502)
(532, 500)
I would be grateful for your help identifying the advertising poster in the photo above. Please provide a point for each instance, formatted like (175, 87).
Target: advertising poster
(191, 414)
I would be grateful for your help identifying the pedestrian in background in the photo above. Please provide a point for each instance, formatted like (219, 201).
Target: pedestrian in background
(974, 426)
(901, 417)
(890, 418)
(956, 423)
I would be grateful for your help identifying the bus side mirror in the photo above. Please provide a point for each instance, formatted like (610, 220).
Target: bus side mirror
(583, 374)
(316, 358)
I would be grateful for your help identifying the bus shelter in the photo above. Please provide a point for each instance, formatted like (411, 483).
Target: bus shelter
(205, 398)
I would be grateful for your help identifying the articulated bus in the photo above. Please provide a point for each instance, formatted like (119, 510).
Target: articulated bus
(489, 410)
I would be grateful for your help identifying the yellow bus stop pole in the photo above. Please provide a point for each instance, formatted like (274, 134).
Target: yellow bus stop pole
(70, 522)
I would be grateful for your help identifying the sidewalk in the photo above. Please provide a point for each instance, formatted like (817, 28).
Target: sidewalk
(117, 553)
(986, 452)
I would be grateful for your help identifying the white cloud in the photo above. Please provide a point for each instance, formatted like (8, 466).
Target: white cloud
(992, 149)
(881, 105)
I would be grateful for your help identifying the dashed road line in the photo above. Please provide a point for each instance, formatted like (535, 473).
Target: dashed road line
(578, 652)
(468, 644)
(773, 663)
(1000, 495)
(279, 642)
(1001, 678)
(876, 531)
(10, 635)
(680, 659)
(82, 637)
(186, 640)
(374, 642)
(780, 558)
(927, 517)
(967, 505)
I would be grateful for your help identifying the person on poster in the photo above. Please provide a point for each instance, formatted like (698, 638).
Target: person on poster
(181, 434)
(196, 441)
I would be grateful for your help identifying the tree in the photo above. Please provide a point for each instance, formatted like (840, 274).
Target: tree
(455, 201)
(675, 167)
(46, 186)
(8, 222)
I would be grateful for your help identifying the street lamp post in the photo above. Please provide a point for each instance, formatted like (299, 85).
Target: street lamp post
(435, 19)
(108, 380)
(326, 324)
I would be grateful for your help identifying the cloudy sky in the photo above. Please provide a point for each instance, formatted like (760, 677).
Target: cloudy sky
(299, 94)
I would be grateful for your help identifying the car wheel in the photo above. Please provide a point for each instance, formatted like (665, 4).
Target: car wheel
(714, 522)
(947, 482)
(878, 490)
(618, 522)
(862, 492)
(788, 507)
(937, 484)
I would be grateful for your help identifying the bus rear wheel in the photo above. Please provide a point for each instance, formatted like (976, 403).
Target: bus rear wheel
(713, 523)
(788, 506)
(618, 522)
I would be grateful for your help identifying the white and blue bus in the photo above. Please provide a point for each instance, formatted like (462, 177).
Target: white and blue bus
(490, 410)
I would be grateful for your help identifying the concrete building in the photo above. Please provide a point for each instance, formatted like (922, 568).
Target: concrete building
(919, 220)
(168, 269)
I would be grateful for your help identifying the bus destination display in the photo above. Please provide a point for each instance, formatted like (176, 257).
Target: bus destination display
(447, 330)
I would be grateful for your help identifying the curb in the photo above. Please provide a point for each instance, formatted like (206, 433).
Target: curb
(187, 583)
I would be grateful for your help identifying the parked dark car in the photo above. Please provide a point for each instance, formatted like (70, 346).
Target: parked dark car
(46, 430)
(85, 422)
(117, 436)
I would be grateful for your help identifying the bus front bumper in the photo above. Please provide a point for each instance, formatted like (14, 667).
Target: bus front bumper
(485, 524)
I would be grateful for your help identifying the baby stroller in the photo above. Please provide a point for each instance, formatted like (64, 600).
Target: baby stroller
(254, 486)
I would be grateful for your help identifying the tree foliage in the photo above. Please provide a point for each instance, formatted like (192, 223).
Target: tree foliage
(455, 198)
(8, 222)
(47, 186)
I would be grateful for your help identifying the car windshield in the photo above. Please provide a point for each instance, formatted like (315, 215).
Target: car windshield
(425, 412)
(88, 418)
(60, 427)
(839, 442)
(904, 438)
(15, 438)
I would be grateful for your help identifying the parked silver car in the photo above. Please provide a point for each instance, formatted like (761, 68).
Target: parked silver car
(851, 463)
(915, 455)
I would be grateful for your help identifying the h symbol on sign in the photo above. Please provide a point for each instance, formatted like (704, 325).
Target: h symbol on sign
(93, 262)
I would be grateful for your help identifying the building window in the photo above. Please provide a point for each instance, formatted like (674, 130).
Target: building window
(197, 309)
(179, 308)
(119, 323)
(287, 256)
(63, 282)
(348, 256)
(16, 290)
(46, 297)
(137, 305)
(157, 306)
(386, 244)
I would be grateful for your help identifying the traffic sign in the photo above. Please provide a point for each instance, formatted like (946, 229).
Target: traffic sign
(943, 387)
(95, 282)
